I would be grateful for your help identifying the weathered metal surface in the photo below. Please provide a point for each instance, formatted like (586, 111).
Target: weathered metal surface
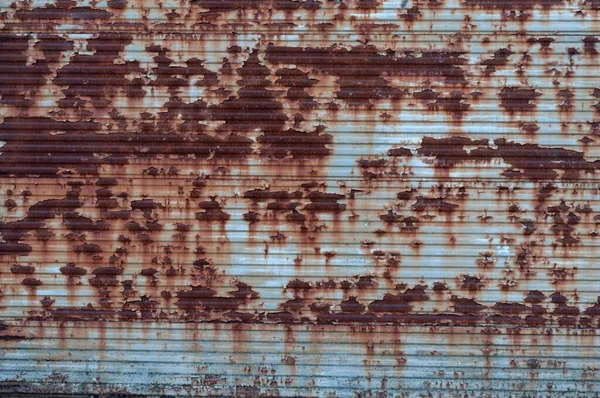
(317, 198)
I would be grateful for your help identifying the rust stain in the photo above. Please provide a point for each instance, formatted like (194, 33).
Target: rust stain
(218, 172)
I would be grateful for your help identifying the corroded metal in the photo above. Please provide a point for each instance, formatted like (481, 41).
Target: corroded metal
(286, 197)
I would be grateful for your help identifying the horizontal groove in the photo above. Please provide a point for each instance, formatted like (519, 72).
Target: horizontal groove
(58, 152)
(525, 196)
(351, 276)
(365, 295)
(274, 225)
(385, 69)
(354, 18)
(350, 391)
(408, 245)
(348, 212)
(83, 139)
(416, 279)
(74, 291)
(32, 122)
(376, 211)
(320, 120)
(269, 6)
(69, 157)
(253, 310)
(215, 35)
(24, 178)
(498, 344)
(337, 378)
(410, 44)
(281, 49)
(500, 368)
(404, 344)
(271, 215)
(303, 275)
(129, 362)
(335, 272)
(574, 37)
(96, 385)
(249, 204)
(480, 270)
(570, 161)
(101, 135)
(529, 117)
(308, 329)
(247, 123)
(472, 182)
(23, 165)
(61, 181)
(311, 278)
(394, 69)
(259, 238)
(372, 324)
(472, 267)
(343, 332)
(280, 92)
(434, 299)
(106, 27)
(344, 218)
(293, 182)
(323, 7)
(521, 194)
(375, 222)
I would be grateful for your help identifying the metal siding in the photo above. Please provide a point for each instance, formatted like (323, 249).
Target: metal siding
(286, 197)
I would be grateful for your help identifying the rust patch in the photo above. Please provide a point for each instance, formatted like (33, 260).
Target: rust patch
(87, 313)
(529, 161)
(516, 99)
(204, 298)
(324, 202)
(513, 4)
(72, 270)
(24, 77)
(360, 82)
(22, 269)
(136, 166)
(500, 58)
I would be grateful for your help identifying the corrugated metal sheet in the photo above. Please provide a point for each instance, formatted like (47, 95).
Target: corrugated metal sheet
(299, 197)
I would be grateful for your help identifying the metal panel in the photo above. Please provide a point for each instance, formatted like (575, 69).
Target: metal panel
(299, 197)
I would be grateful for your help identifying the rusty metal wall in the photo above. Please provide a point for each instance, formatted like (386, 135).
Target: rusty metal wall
(299, 197)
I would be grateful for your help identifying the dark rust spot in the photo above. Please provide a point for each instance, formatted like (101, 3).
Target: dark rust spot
(200, 297)
(105, 276)
(72, 270)
(324, 202)
(500, 58)
(22, 269)
(439, 204)
(466, 306)
(32, 282)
